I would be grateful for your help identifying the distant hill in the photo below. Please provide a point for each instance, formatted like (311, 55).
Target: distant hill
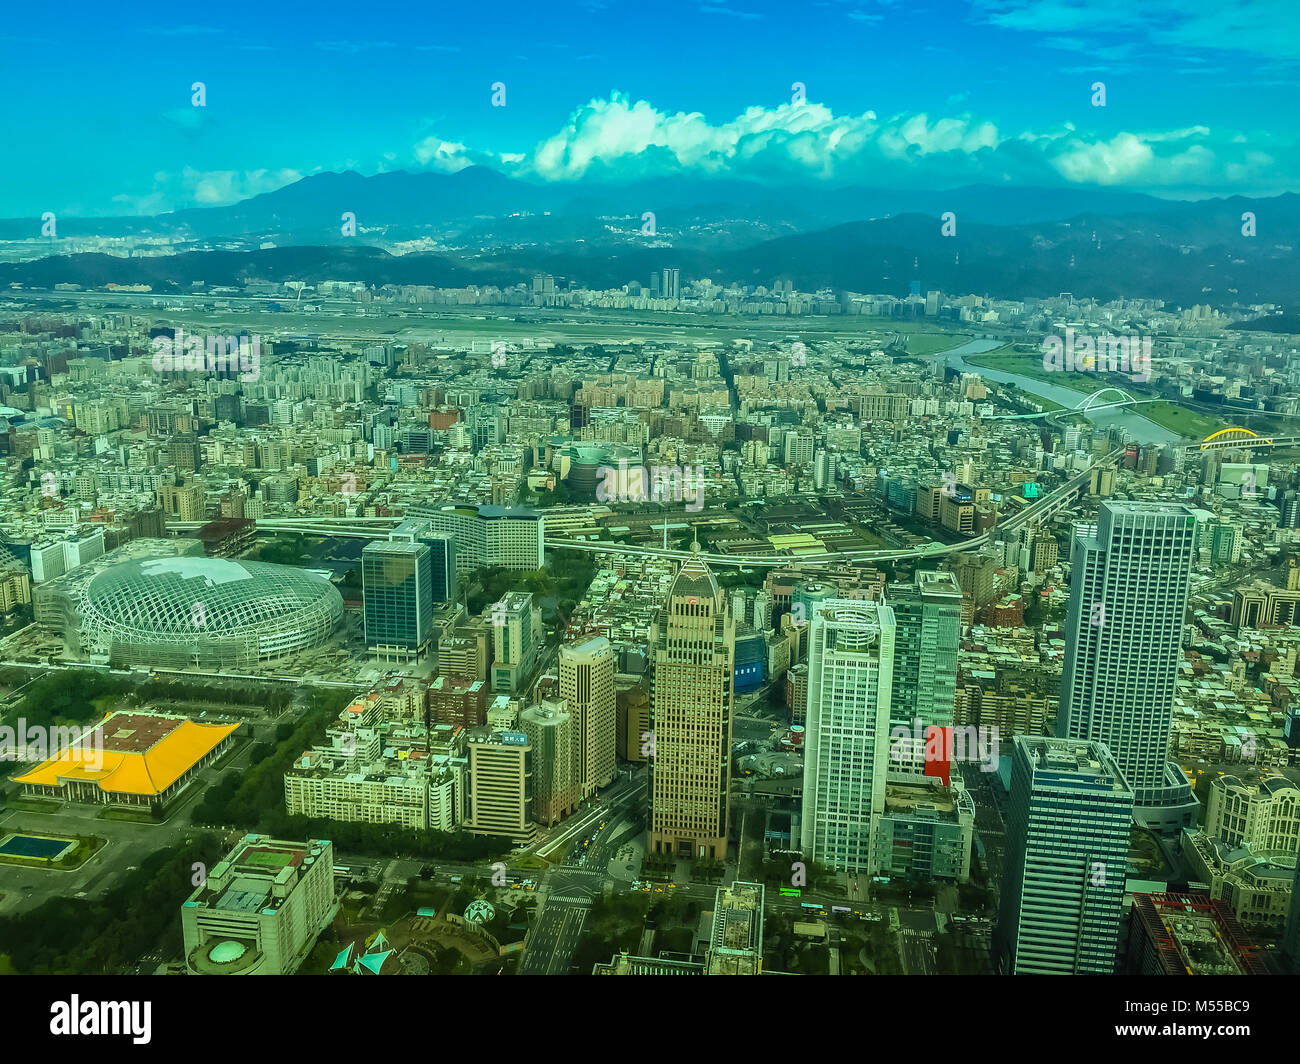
(493, 229)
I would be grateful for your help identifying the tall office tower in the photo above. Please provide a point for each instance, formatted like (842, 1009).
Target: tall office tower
(587, 685)
(442, 559)
(397, 590)
(500, 773)
(516, 639)
(672, 284)
(550, 727)
(928, 618)
(1124, 638)
(1067, 856)
(693, 646)
(846, 745)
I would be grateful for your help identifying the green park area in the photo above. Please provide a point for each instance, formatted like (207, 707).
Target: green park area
(1172, 416)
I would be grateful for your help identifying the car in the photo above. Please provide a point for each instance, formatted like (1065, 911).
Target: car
(645, 889)
(659, 890)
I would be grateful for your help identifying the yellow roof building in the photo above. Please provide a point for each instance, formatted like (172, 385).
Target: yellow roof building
(132, 753)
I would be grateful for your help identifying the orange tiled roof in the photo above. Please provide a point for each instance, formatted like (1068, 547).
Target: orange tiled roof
(149, 772)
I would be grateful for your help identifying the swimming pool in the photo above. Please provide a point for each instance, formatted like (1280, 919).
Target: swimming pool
(41, 847)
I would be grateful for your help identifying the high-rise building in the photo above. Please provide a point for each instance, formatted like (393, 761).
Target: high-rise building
(516, 639)
(1067, 858)
(1189, 934)
(672, 283)
(397, 589)
(260, 909)
(692, 644)
(927, 615)
(550, 727)
(1124, 636)
(846, 746)
(587, 686)
(500, 774)
(442, 559)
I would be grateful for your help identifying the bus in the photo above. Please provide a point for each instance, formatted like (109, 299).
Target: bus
(811, 905)
(791, 892)
(342, 870)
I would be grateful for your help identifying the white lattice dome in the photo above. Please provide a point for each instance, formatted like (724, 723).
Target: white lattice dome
(206, 611)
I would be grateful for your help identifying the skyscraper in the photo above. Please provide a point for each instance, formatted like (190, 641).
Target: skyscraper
(692, 642)
(398, 593)
(516, 639)
(442, 558)
(671, 283)
(549, 727)
(928, 618)
(1124, 630)
(1067, 857)
(587, 685)
(846, 746)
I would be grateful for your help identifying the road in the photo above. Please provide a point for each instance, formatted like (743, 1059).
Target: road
(1038, 510)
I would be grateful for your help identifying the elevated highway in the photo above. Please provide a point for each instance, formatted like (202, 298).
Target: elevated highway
(373, 527)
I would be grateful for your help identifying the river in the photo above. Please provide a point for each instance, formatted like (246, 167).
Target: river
(1140, 429)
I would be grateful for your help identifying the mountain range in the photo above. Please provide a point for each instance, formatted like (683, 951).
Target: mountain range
(480, 226)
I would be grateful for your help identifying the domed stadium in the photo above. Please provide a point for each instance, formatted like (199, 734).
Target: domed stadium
(207, 612)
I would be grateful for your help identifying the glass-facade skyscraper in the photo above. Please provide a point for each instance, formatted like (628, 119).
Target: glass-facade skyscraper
(927, 616)
(397, 587)
(1067, 859)
(846, 746)
(1124, 634)
(442, 559)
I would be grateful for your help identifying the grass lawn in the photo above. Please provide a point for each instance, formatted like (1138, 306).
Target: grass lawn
(131, 816)
(34, 805)
(932, 343)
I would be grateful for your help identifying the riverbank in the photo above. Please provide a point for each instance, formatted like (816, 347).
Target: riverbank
(1171, 416)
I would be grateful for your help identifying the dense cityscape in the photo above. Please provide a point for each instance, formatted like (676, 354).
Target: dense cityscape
(503, 579)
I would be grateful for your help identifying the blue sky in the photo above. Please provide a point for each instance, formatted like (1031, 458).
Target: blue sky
(1200, 96)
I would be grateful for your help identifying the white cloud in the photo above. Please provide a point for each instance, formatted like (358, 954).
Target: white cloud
(204, 188)
(439, 154)
(619, 138)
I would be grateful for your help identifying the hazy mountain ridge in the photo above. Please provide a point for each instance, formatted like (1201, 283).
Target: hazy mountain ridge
(494, 231)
